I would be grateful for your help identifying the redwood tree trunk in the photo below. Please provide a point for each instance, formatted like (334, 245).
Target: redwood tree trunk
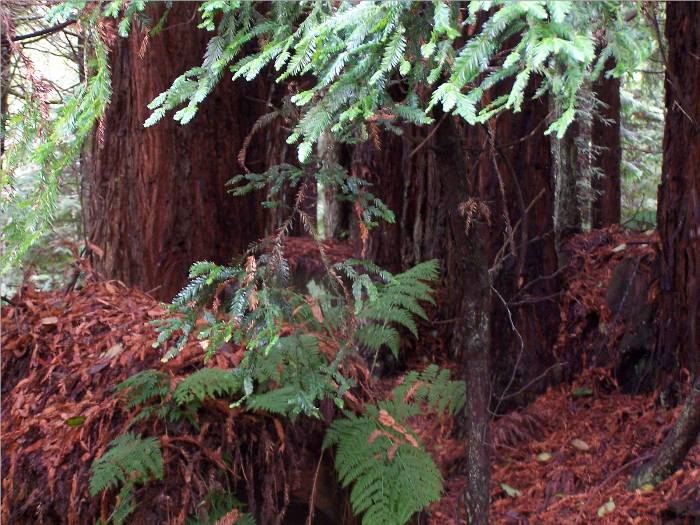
(469, 284)
(409, 174)
(521, 250)
(678, 219)
(678, 213)
(156, 197)
(605, 138)
(567, 210)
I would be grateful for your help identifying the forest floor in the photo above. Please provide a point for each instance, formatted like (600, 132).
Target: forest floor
(565, 458)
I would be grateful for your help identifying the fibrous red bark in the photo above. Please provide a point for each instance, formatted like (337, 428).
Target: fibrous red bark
(678, 219)
(605, 138)
(678, 213)
(156, 199)
(522, 245)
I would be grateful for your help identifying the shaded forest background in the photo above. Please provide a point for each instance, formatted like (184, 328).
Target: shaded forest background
(560, 257)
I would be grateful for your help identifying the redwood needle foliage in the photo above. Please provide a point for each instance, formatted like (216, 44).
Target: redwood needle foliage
(365, 63)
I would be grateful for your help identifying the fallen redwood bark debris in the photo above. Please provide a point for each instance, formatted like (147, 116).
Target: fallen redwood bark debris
(563, 459)
(62, 356)
(543, 474)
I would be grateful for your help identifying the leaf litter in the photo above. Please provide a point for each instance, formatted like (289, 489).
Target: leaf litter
(62, 355)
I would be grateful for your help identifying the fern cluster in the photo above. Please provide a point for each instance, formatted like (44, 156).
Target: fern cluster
(377, 453)
(296, 348)
(133, 460)
(129, 460)
(391, 474)
(367, 316)
(392, 301)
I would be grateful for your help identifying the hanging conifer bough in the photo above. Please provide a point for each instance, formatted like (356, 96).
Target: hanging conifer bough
(49, 142)
(355, 59)
(354, 54)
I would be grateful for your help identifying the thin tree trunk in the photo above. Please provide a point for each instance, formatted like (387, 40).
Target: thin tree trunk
(567, 212)
(156, 198)
(605, 133)
(5, 59)
(677, 443)
(470, 286)
(679, 228)
(327, 206)
(472, 339)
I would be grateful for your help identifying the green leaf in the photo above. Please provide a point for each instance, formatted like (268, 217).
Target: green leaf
(606, 508)
(583, 391)
(75, 421)
(510, 491)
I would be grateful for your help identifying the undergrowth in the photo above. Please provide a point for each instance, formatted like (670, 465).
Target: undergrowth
(297, 349)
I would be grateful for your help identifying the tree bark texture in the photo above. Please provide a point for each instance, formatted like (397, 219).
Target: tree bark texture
(327, 205)
(605, 137)
(409, 175)
(678, 214)
(678, 219)
(516, 179)
(567, 209)
(470, 285)
(676, 445)
(156, 199)
(5, 67)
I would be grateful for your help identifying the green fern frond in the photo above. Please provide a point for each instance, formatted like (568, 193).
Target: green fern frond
(391, 475)
(125, 504)
(145, 386)
(374, 336)
(390, 314)
(129, 457)
(207, 383)
(432, 387)
(281, 400)
(391, 478)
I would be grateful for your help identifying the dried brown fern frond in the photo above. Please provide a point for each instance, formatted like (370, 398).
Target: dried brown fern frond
(472, 209)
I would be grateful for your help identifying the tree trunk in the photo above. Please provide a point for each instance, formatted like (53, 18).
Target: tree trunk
(156, 197)
(424, 176)
(409, 175)
(521, 251)
(605, 136)
(5, 67)
(469, 284)
(677, 443)
(327, 205)
(567, 210)
(679, 228)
